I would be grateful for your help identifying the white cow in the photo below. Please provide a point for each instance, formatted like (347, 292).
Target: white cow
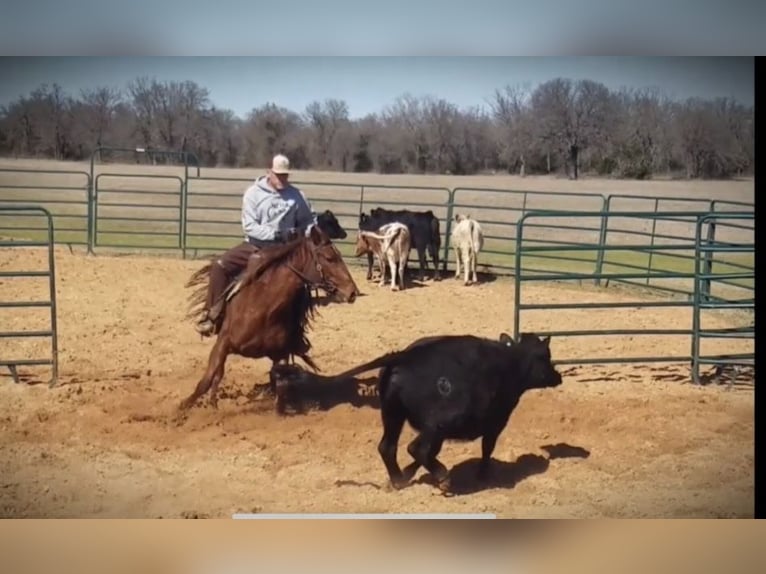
(391, 243)
(467, 240)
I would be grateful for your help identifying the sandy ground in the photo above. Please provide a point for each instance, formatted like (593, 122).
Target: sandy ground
(615, 441)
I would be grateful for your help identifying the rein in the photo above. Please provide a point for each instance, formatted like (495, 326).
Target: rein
(321, 282)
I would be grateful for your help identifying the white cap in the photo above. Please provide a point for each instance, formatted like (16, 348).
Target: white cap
(280, 164)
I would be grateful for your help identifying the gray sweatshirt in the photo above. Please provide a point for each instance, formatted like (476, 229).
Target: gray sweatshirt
(266, 210)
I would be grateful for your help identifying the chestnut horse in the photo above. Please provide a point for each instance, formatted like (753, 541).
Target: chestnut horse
(270, 306)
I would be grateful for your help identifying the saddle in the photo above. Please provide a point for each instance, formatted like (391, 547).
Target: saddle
(235, 285)
(232, 288)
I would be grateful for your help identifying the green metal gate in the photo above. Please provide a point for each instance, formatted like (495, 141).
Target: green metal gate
(146, 213)
(499, 211)
(742, 277)
(64, 193)
(10, 357)
(700, 275)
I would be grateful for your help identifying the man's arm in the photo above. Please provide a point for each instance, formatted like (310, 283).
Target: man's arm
(251, 219)
(306, 216)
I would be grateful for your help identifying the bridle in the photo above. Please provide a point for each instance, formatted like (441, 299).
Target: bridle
(319, 280)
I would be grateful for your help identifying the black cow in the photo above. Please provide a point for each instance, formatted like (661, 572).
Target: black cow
(424, 233)
(457, 387)
(327, 222)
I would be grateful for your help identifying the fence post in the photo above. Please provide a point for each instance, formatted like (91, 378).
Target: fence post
(708, 267)
(184, 189)
(696, 299)
(517, 278)
(651, 243)
(602, 240)
(448, 228)
(90, 216)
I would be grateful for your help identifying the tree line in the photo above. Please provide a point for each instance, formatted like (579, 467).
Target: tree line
(560, 126)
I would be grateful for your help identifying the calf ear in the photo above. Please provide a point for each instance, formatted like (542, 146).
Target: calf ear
(506, 338)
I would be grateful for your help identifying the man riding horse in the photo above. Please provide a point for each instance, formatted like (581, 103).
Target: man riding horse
(273, 212)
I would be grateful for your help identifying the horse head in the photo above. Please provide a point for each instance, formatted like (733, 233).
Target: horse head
(329, 270)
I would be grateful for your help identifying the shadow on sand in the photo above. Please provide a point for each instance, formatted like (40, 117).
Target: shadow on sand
(463, 476)
(305, 390)
(464, 480)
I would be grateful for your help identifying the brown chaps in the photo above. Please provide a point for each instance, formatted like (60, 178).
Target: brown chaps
(223, 271)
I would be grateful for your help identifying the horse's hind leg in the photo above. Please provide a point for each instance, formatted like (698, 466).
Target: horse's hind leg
(212, 376)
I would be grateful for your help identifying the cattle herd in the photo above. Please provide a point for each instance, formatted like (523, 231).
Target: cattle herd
(447, 387)
(388, 236)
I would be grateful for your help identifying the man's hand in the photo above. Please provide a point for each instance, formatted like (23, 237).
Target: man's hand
(292, 233)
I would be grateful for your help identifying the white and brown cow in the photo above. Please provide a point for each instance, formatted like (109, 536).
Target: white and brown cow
(390, 244)
(467, 240)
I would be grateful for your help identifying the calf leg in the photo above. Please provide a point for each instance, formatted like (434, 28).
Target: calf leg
(457, 262)
(423, 262)
(474, 255)
(467, 266)
(394, 271)
(402, 262)
(382, 266)
(369, 266)
(488, 442)
(393, 421)
(413, 448)
(425, 451)
(435, 258)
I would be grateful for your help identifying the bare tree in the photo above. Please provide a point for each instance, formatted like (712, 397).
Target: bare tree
(510, 108)
(330, 126)
(581, 125)
(404, 130)
(571, 114)
(144, 109)
(46, 119)
(706, 139)
(440, 133)
(218, 138)
(22, 133)
(98, 111)
(271, 129)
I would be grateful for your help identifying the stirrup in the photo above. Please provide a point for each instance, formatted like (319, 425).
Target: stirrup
(205, 327)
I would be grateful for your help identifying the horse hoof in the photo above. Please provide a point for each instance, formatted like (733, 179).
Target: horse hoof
(444, 485)
(395, 485)
(184, 406)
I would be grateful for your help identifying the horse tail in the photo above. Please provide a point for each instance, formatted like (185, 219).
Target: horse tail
(198, 297)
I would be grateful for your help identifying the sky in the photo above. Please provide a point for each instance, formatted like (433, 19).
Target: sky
(393, 27)
(368, 84)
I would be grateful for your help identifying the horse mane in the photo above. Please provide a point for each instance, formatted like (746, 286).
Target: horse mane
(267, 261)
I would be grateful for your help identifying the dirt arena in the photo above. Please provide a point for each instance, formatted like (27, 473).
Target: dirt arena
(612, 441)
